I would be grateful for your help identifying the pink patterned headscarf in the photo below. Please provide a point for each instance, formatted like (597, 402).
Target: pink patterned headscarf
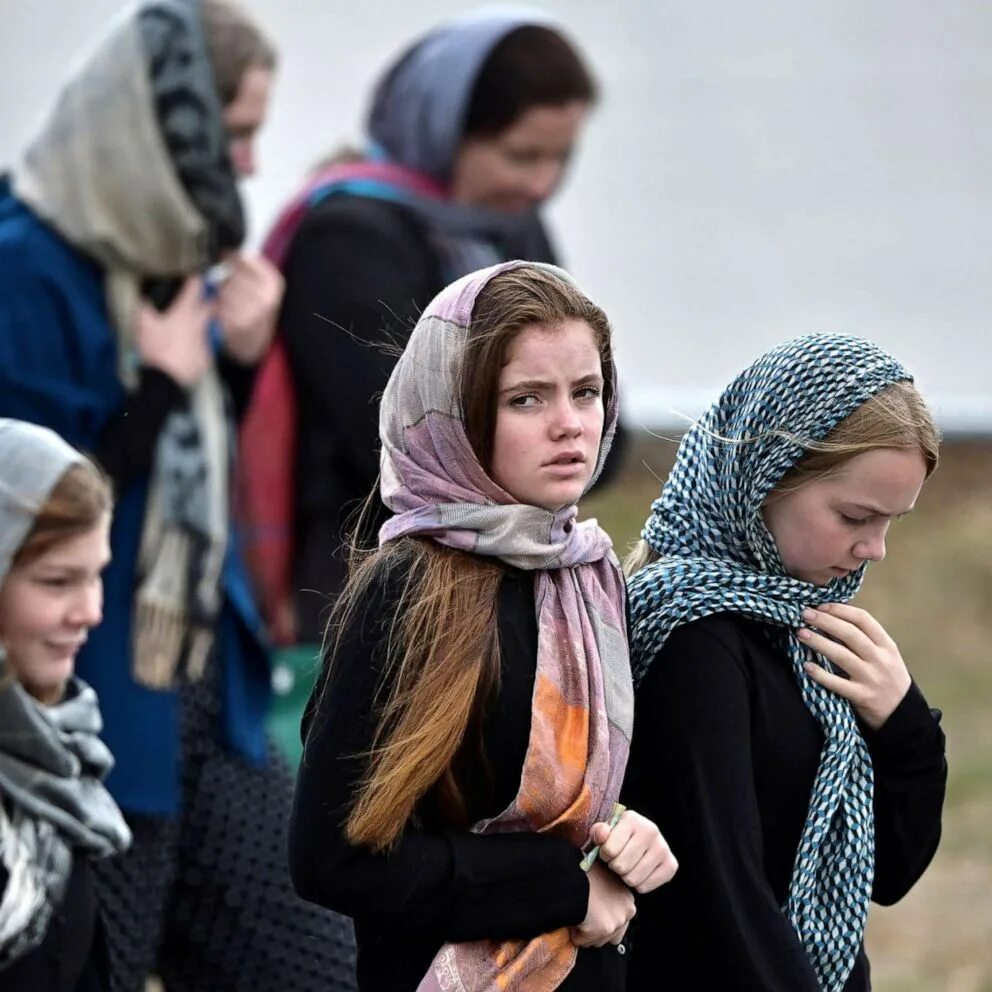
(583, 697)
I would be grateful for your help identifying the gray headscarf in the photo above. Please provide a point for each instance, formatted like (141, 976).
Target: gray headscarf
(32, 460)
(417, 120)
(419, 107)
(52, 761)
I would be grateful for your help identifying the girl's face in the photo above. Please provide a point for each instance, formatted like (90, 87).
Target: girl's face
(827, 528)
(48, 605)
(549, 415)
(519, 168)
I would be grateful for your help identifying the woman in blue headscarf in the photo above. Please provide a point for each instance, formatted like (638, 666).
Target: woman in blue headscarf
(470, 131)
(780, 742)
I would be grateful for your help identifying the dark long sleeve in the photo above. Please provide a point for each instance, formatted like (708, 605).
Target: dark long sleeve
(127, 445)
(358, 274)
(439, 884)
(718, 924)
(908, 758)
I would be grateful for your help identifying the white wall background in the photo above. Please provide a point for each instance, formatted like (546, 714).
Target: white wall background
(755, 171)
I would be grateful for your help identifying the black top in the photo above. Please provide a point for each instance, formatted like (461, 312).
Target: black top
(358, 273)
(72, 955)
(723, 760)
(438, 884)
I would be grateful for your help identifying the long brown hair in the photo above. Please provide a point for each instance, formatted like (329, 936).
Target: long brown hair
(442, 650)
(895, 417)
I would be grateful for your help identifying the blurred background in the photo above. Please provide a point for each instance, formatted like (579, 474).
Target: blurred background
(753, 172)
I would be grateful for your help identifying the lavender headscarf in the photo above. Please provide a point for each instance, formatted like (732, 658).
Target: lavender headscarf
(582, 711)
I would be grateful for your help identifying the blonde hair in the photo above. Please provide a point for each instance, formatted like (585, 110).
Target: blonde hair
(895, 417)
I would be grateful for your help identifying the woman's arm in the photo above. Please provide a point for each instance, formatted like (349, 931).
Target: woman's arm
(450, 884)
(691, 773)
(908, 757)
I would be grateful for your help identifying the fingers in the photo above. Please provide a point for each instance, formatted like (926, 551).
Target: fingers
(861, 619)
(842, 687)
(617, 839)
(839, 654)
(656, 876)
(852, 636)
(618, 935)
(190, 294)
(599, 832)
(636, 851)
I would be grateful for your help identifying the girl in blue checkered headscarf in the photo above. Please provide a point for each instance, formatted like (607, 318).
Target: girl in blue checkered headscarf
(779, 741)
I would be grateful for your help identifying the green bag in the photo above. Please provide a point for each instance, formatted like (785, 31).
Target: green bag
(294, 671)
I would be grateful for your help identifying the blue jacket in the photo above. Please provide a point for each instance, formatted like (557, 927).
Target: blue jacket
(58, 367)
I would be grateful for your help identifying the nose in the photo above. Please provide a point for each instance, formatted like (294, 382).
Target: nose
(872, 548)
(543, 179)
(566, 421)
(87, 607)
(242, 151)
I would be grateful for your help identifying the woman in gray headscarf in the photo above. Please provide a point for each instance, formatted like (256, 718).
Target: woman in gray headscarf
(469, 133)
(55, 813)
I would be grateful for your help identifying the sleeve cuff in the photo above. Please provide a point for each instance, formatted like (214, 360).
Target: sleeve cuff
(912, 728)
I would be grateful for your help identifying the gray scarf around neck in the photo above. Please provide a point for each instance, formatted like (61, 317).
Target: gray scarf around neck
(52, 762)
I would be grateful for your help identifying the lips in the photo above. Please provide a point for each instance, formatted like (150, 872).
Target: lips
(66, 647)
(567, 458)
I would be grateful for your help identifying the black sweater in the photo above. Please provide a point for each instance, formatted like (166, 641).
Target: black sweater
(439, 884)
(723, 760)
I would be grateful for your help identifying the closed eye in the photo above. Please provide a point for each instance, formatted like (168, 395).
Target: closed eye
(854, 521)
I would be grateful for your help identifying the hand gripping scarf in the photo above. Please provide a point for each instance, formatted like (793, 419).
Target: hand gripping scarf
(717, 555)
(582, 704)
(132, 169)
(52, 762)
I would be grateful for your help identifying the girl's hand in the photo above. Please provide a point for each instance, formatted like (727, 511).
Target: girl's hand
(610, 910)
(877, 676)
(635, 851)
(176, 340)
(248, 305)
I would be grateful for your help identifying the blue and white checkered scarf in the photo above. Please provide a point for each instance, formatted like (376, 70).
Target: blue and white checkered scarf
(716, 555)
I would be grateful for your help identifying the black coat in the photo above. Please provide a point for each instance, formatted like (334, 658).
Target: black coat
(440, 883)
(723, 760)
(72, 956)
